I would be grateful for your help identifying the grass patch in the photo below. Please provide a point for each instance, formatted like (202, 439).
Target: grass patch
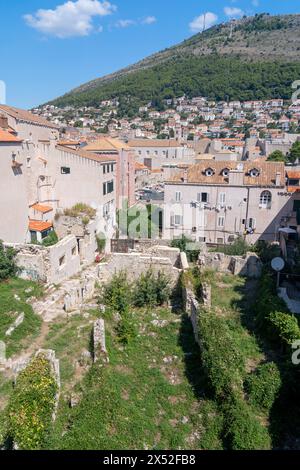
(147, 397)
(13, 296)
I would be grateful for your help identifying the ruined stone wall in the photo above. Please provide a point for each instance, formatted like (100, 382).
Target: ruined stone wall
(50, 265)
(136, 264)
(249, 265)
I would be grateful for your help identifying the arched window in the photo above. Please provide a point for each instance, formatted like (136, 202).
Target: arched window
(265, 200)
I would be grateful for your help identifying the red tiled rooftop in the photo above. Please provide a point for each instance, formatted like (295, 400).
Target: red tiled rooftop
(42, 208)
(38, 226)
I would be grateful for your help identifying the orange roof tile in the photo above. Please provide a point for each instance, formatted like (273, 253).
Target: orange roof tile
(140, 166)
(41, 208)
(6, 136)
(267, 173)
(293, 174)
(22, 115)
(103, 158)
(38, 226)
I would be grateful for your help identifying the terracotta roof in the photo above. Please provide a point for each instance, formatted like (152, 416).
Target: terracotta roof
(89, 155)
(41, 208)
(154, 143)
(293, 174)
(293, 189)
(267, 173)
(38, 226)
(68, 142)
(106, 144)
(140, 166)
(6, 136)
(23, 115)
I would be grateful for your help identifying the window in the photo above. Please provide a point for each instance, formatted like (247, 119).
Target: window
(225, 172)
(222, 198)
(265, 200)
(178, 196)
(104, 189)
(104, 169)
(65, 170)
(221, 222)
(202, 197)
(254, 173)
(178, 219)
(252, 223)
(202, 239)
(110, 187)
(61, 261)
(28, 160)
(112, 167)
(209, 172)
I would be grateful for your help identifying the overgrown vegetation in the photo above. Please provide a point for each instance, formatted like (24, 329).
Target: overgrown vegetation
(188, 246)
(14, 295)
(81, 210)
(8, 267)
(51, 239)
(32, 405)
(239, 247)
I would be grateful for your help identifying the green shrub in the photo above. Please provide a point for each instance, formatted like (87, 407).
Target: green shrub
(221, 356)
(117, 294)
(187, 246)
(126, 329)
(263, 386)
(238, 248)
(286, 326)
(51, 239)
(8, 267)
(80, 210)
(243, 430)
(151, 290)
(101, 242)
(32, 404)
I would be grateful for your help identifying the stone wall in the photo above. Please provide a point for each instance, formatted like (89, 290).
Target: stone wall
(136, 264)
(249, 265)
(192, 308)
(57, 263)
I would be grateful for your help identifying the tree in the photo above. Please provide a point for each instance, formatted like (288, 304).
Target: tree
(294, 154)
(8, 267)
(276, 156)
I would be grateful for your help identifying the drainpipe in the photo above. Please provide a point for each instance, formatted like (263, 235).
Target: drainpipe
(247, 211)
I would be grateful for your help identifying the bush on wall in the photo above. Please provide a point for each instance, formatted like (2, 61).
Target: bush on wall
(32, 404)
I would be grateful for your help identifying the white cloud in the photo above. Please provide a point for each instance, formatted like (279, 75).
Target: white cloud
(124, 23)
(149, 20)
(204, 21)
(73, 18)
(233, 12)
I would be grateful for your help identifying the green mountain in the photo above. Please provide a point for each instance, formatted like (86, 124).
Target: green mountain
(251, 58)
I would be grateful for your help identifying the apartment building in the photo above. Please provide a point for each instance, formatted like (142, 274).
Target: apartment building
(125, 166)
(157, 152)
(214, 202)
(39, 178)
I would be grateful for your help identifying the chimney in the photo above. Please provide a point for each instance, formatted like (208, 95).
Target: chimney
(278, 179)
(3, 122)
(184, 178)
(236, 177)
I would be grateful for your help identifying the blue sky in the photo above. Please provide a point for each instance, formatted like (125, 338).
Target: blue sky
(48, 47)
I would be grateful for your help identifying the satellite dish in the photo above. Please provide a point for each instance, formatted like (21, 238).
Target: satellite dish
(277, 264)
